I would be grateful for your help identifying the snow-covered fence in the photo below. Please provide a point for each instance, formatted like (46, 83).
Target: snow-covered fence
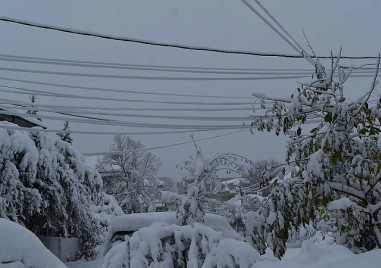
(66, 249)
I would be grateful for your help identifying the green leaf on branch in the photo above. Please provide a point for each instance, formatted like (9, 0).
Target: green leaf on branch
(328, 118)
(314, 130)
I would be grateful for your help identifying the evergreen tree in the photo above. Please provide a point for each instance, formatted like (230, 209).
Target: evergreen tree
(65, 136)
(46, 186)
(32, 110)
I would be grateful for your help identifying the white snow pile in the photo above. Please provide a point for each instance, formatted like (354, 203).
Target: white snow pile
(318, 252)
(20, 248)
(193, 246)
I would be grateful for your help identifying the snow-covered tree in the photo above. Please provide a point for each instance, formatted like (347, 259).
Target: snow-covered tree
(65, 135)
(45, 186)
(347, 133)
(130, 174)
(253, 175)
(32, 110)
(203, 178)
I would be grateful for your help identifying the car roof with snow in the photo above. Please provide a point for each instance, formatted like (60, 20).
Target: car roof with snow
(133, 222)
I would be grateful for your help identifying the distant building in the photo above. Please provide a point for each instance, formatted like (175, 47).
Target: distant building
(222, 196)
(166, 183)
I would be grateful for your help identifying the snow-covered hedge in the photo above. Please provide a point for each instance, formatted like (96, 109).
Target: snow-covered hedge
(192, 246)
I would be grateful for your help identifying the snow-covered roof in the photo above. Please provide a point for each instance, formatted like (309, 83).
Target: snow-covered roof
(235, 181)
(91, 161)
(21, 121)
(236, 200)
(164, 179)
(160, 182)
(19, 247)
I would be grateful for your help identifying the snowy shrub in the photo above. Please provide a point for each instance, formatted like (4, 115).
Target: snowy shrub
(192, 246)
(46, 187)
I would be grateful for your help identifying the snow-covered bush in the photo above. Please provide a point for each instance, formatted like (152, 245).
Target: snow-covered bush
(192, 246)
(21, 248)
(346, 133)
(46, 187)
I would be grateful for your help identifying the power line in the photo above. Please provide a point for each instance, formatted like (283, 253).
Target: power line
(13, 102)
(112, 65)
(160, 147)
(274, 29)
(137, 68)
(4, 126)
(152, 43)
(120, 90)
(157, 78)
(158, 68)
(117, 123)
(149, 116)
(27, 91)
(150, 67)
(307, 57)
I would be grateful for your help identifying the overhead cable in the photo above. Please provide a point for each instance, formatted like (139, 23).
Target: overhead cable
(117, 123)
(121, 90)
(135, 68)
(148, 116)
(274, 29)
(148, 67)
(74, 108)
(152, 43)
(158, 78)
(10, 127)
(160, 147)
(28, 91)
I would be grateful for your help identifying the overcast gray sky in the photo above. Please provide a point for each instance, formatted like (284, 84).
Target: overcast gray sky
(226, 24)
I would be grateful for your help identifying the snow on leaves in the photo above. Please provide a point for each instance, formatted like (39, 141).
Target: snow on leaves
(339, 157)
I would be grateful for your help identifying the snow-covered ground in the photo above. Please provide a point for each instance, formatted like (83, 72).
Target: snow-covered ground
(22, 249)
(328, 256)
(86, 264)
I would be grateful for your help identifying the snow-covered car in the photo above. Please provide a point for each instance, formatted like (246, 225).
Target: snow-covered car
(121, 226)
(20, 248)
